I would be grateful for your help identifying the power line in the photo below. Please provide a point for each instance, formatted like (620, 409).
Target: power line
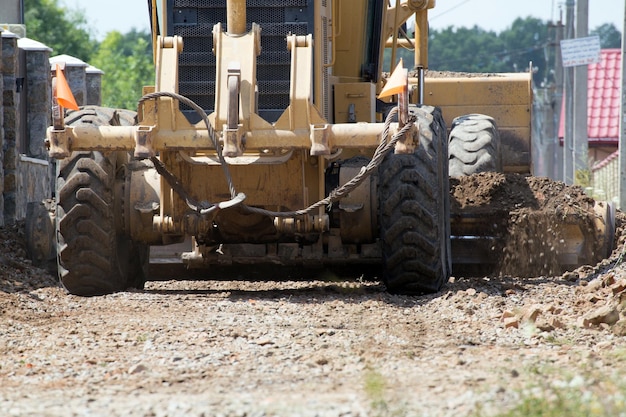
(450, 9)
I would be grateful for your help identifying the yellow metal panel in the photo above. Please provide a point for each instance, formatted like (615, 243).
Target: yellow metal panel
(505, 97)
(361, 95)
(489, 90)
(264, 185)
(349, 25)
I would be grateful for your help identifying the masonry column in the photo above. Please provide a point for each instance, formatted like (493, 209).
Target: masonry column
(38, 96)
(94, 86)
(75, 74)
(1, 124)
(35, 170)
(10, 99)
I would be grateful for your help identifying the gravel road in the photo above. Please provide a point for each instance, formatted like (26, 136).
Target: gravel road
(325, 346)
(317, 348)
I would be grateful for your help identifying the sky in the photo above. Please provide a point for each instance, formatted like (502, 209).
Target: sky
(493, 15)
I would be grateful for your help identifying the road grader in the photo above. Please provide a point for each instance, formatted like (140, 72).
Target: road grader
(272, 135)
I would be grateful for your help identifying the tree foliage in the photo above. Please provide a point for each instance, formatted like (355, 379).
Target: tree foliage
(610, 37)
(528, 40)
(466, 49)
(126, 60)
(65, 31)
(477, 50)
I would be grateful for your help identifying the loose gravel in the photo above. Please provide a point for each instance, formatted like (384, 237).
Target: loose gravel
(325, 346)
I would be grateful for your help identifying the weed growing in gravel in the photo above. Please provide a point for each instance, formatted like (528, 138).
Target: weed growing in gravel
(589, 396)
(570, 402)
(375, 388)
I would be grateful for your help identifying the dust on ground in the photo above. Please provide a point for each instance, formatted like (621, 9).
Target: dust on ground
(329, 346)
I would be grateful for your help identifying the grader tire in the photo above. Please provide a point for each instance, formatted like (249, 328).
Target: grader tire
(100, 116)
(93, 258)
(415, 211)
(474, 145)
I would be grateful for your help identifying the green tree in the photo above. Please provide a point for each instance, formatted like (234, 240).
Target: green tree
(610, 37)
(126, 60)
(65, 31)
(466, 49)
(476, 50)
(525, 42)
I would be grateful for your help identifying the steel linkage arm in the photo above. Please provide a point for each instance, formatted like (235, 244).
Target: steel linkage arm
(130, 138)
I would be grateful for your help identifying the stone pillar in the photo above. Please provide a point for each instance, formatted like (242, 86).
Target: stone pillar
(10, 98)
(75, 75)
(35, 171)
(94, 86)
(38, 98)
(1, 118)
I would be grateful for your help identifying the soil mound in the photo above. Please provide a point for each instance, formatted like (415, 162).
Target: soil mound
(538, 226)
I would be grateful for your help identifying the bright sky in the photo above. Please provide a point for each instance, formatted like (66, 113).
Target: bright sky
(495, 15)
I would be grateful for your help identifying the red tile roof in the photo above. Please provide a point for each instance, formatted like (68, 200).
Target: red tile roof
(603, 100)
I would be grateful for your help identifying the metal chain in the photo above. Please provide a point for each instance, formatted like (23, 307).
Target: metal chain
(381, 151)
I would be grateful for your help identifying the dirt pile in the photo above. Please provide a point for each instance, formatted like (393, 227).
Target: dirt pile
(17, 273)
(538, 226)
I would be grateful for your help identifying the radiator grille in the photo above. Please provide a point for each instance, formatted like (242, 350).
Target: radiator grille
(194, 21)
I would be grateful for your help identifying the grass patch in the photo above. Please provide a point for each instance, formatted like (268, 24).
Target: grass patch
(591, 395)
(570, 402)
(380, 404)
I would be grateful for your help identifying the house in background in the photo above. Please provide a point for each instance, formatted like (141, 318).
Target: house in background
(603, 104)
(603, 108)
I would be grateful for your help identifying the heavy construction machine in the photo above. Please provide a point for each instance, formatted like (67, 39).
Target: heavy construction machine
(266, 140)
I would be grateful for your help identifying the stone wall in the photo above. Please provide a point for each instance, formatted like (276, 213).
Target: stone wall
(26, 172)
(35, 172)
(1, 128)
(10, 102)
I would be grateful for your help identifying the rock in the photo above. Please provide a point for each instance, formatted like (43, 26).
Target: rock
(544, 325)
(619, 328)
(571, 276)
(619, 286)
(511, 322)
(606, 314)
(531, 313)
(556, 323)
(506, 314)
(264, 341)
(594, 286)
(136, 368)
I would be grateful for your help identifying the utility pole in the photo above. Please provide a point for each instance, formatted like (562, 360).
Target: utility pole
(557, 169)
(568, 138)
(12, 11)
(622, 123)
(582, 175)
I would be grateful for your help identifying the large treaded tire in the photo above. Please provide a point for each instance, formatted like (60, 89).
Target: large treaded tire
(93, 259)
(474, 145)
(415, 211)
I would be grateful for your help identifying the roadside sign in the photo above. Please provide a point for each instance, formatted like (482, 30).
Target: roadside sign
(580, 51)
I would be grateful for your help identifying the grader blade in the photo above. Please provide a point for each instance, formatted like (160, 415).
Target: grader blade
(529, 241)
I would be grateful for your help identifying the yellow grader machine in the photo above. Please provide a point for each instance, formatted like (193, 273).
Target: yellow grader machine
(266, 140)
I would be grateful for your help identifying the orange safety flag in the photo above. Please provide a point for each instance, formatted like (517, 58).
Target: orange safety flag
(63, 94)
(397, 82)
